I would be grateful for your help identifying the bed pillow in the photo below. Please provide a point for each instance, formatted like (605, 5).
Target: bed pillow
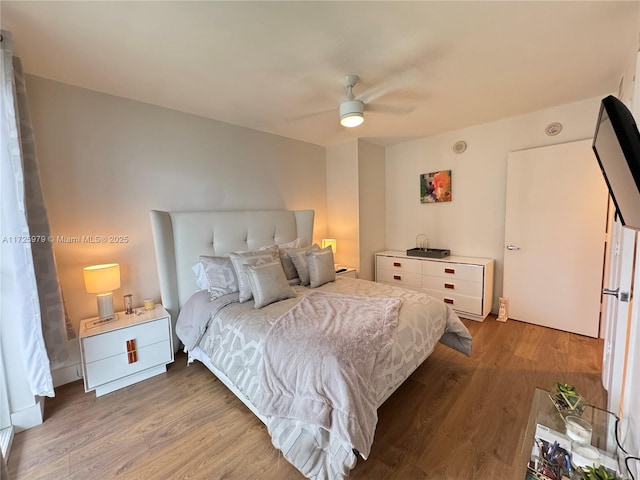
(289, 270)
(268, 283)
(299, 260)
(321, 267)
(220, 274)
(201, 277)
(239, 259)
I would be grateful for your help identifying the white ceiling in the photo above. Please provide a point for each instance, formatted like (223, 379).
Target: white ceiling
(264, 64)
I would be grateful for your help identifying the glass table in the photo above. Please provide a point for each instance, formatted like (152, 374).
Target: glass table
(546, 426)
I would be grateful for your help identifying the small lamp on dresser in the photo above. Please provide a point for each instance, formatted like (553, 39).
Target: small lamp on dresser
(102, 280)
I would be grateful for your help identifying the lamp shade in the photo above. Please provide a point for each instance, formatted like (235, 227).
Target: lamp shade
(329, 242)
(101, 278)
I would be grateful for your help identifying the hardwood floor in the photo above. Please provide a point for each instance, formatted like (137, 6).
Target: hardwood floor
(455, 418)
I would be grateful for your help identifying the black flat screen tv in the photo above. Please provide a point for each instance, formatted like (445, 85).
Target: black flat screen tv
(616, 144)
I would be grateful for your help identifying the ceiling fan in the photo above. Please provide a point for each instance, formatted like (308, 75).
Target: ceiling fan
(352, 109)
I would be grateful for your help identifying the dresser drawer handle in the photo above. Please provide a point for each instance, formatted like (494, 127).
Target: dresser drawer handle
(449, 270)
(449, 285)
(132, 354)
(397, 277)
(397, 264)
(132, 357)
(449, 301)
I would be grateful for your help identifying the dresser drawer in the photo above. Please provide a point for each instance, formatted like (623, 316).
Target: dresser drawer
(118, 366)
(452, 285)
(472, 273)
(460, 303)
(104, 345)
(399, 264)
(400, 278)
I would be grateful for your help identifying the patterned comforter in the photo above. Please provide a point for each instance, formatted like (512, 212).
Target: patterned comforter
(234, 340)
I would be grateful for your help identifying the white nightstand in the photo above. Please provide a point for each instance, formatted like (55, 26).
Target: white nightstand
(126, 350)
(349, 272)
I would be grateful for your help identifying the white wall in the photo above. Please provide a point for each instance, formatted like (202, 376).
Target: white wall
(472, 224)
(106, 161)
(343, 202)
(372, 201)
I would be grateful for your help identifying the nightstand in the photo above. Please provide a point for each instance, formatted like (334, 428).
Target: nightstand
(349, 272)
(126, 350)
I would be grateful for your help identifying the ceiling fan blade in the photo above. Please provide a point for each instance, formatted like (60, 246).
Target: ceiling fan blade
(408, 76)
(388, 109)
(310, 115)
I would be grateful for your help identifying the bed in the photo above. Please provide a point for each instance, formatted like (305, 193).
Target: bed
(312, 360)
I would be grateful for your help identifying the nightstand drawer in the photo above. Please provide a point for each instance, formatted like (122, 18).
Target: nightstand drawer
(472, 273)
(118, 366)
(104, 345)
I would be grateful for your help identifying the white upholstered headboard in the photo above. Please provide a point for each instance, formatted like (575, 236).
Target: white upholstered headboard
(181, 237)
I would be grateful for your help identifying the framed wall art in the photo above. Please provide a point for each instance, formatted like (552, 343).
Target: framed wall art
(435, 187)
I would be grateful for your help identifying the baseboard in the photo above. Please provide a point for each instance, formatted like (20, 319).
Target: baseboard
(29, 417)
(6, 439)
(66, 374)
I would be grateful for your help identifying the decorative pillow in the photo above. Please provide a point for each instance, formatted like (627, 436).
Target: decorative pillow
(220, 274)
(238, 259)
(289, 270)
(321, 267)
(292, 244)
(299, 260)
(201, 277)
(268, 283)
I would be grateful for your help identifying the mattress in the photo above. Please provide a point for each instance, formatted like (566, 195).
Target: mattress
(232, 345)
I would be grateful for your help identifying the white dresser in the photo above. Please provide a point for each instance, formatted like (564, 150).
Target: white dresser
(126, 350)
(465, 283)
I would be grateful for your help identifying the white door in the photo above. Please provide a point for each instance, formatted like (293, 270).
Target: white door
(616, 321)
(555, 227)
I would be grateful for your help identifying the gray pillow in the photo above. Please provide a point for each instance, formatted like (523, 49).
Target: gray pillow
(268, 283)
(221, 276)
(299, 260)
(321, 267)
(239, 259)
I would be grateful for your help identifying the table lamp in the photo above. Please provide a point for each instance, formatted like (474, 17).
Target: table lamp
(102, 280)
(329, 242)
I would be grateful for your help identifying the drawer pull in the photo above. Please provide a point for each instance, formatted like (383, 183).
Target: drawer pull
(397, 264)
(449, 285)
(132, 354)
(450, 270)
(397, 277)
(449, 301)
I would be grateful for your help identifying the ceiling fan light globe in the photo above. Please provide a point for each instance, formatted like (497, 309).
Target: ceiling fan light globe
(353, 120)
(351, 113)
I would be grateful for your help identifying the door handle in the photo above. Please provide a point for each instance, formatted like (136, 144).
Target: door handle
(512, 247)
(622, 296)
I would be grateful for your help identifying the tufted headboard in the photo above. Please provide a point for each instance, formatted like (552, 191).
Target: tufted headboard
(181, 237)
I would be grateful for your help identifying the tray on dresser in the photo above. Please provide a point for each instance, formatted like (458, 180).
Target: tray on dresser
(428, 252)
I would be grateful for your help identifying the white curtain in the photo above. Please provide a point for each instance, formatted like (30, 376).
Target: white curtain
(29, 286)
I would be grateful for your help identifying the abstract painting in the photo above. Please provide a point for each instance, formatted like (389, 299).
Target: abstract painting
(435, 187)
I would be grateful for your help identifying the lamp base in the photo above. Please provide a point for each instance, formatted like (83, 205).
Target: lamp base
(105, 306)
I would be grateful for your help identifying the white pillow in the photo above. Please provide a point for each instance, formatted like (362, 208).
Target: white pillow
(268, 283)
(321, 267)
(299, 260)
(201, 277)
(220, 274)
(238, 259)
